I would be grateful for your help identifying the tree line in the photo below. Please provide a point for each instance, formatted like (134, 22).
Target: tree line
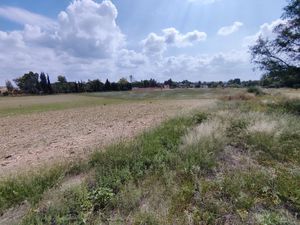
(34, 83)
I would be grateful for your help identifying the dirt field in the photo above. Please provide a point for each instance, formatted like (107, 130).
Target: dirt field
(32, 140)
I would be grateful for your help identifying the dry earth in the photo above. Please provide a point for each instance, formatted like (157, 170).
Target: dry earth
(34, 140)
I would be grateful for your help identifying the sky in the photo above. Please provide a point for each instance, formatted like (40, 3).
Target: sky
(198, 40)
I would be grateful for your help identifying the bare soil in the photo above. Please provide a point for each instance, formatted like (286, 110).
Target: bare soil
(35, 140)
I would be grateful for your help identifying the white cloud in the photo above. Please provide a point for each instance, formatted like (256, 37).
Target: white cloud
(157, 44)
(225, 31)
(85, 29)
(130, 59)
(89, 29)
(219, 66)
(265, 31)
(23, 16)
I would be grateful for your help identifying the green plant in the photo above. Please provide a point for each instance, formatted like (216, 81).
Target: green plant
(100, 197)
(28, 187)
(255, 90)
(200, 117)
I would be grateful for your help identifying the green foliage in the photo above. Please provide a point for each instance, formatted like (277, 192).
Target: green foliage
(200, 117)
(255, 90)
(183, 197)
(101, 197)
(29, 187)
(286, 106)
(272, 218)
(9, 86)
(202, 155)
(29, 83)
(75, 208)
(236, 132)
(288, 188)
(279, 56)
(283, 147)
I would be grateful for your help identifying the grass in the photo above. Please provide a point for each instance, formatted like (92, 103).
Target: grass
(10, 106)
(177, 94)
(28, 187)
(235, 164)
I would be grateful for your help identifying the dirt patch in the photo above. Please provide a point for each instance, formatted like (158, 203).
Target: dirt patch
(233, 159)
(14, 215)
(35, 140)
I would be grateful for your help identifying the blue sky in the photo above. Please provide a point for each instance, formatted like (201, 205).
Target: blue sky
(181, 39)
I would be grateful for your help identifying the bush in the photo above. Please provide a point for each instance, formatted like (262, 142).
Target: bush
(287, 106)
(255, 90)
(200, 117)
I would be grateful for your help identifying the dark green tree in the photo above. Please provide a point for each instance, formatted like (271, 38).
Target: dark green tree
(43, 83)
(107, 85)
(94, 86)
(9, 86)
(280, 57)
(49, 87)
(62, 79)
(29, 83)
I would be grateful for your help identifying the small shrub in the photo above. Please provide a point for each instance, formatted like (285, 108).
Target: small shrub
(255, 90)
(100, 197)
(200, 117)
(236, 131)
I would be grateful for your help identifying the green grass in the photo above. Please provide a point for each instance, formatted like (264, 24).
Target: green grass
(29, 187)
(10, 106)
(175, 94)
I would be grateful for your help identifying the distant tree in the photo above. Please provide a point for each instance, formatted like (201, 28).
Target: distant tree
(123, 81)
(49, 87)
(153, 83)
(62, 86)
(62, 79)
(280, 56)
(29, 83)
(107, 85)
(124, 85)
(94, 86)
(9, 86)
(80, 86)
(43, 83)
(114, 86)
(234, 82)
